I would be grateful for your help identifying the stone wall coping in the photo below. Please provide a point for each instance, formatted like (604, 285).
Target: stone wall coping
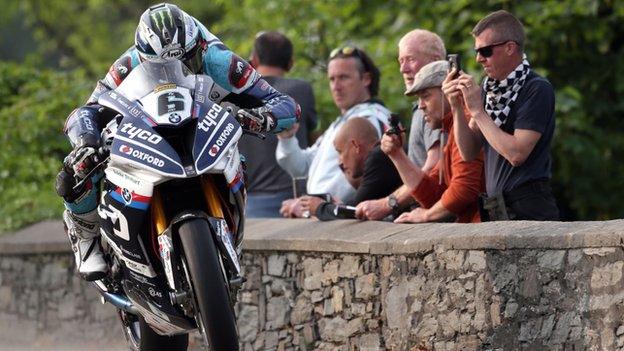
(352, 236)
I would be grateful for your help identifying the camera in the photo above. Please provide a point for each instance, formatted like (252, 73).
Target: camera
(454, 63)
(344, 212)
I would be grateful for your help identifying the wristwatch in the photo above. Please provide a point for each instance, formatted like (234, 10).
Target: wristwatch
(393, 203)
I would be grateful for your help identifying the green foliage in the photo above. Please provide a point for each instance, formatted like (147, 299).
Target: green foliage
(576, 44)
(34, 105)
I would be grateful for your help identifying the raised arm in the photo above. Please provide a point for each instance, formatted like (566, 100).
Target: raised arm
(467, 134)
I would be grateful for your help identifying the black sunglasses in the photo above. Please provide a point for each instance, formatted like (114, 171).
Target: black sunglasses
(488, 51)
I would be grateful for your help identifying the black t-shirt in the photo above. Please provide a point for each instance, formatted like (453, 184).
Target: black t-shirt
(263, 172)
(380, 179)
(534, 109)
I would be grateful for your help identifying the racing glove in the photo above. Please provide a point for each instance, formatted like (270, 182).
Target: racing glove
(76, 167)
(256, 120)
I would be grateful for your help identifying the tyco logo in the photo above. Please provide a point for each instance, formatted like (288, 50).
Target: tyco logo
(211, 118)
(134, 132)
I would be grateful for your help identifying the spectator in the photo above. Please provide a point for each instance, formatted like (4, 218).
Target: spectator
(452, 187)
(364, 165)
(267, 183)
(515, 125)
(416, 49)
(354, 84)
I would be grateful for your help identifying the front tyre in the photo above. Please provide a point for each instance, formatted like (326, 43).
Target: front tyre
(141, 337)
(212, 301)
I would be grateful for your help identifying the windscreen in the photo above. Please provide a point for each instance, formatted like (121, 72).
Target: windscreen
(148, 75)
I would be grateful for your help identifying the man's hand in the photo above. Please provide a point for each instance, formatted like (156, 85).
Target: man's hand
(292, 208)
(309, 204)
(374, 210)
(391, 144)
(417, 215)
(256, 120)
(471, 92)
(81, 161)
(289, 133)
(450, 87)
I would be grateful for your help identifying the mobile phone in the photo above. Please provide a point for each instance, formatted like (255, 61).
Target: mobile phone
(300, 186)
(454, 62)
(344, 212)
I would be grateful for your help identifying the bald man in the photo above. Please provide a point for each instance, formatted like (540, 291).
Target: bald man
(364, 165)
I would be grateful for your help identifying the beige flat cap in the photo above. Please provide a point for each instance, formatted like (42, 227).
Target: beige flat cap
(430, 75)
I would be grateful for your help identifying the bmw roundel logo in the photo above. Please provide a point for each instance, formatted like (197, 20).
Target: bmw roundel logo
(174, 118)
(126, 194)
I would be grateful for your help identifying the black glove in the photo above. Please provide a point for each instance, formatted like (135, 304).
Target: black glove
(256, 120)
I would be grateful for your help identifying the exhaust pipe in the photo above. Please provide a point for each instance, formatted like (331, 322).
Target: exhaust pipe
(120, 302)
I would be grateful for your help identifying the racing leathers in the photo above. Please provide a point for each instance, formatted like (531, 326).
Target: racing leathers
(84, 125)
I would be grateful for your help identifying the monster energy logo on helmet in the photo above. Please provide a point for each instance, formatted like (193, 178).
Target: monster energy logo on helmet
(164, 33)
(159, 17)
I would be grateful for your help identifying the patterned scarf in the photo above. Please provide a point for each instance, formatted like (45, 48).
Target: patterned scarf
(500, 95)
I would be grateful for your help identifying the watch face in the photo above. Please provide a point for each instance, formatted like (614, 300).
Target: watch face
(392, 201)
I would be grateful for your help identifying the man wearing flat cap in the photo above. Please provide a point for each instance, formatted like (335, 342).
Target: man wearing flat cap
(451, 189)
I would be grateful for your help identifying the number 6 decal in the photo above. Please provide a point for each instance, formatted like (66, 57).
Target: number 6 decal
(170, 102)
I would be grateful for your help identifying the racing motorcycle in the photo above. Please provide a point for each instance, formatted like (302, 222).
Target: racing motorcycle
(172, 208)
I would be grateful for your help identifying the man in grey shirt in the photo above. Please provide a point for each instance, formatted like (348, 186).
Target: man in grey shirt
(267, 183)
(416, 49)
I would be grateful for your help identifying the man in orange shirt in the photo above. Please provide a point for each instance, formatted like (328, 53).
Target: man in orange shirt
(450, 190)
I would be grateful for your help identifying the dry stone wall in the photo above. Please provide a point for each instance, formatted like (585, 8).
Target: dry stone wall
(439, 300)
(348, 285)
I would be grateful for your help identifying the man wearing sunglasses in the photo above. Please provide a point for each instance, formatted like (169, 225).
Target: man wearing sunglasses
(354, 84)
(512, 117)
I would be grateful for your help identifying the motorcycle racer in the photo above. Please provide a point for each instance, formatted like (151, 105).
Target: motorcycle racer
(164, 33)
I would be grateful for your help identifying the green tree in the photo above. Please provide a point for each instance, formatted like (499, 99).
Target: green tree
(33, 107)
(576, 44)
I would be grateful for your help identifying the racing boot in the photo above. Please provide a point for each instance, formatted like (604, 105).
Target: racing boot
(83, 231)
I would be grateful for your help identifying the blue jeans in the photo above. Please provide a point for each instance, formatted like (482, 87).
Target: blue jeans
(265, 205)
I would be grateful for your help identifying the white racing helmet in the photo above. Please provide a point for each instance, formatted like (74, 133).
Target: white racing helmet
(167, 33)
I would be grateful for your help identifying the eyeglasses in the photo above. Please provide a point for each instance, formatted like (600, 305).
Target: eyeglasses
(488, 51)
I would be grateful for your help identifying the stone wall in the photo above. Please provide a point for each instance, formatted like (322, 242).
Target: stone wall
(347, 285)
(441, 300)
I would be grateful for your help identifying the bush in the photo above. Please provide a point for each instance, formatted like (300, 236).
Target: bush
(34, 104)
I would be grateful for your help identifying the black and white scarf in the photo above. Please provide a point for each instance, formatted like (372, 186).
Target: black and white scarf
(500, 95)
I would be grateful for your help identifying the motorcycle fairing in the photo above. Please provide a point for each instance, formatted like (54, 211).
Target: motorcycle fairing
(217, 131)
(137, 143)
(168, 104)
(124, 228)
(121, 104)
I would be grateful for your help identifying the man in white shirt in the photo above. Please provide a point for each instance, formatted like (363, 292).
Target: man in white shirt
(354, 83)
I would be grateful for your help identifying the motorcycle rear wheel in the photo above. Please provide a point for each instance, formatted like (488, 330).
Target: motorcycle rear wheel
(216, 318)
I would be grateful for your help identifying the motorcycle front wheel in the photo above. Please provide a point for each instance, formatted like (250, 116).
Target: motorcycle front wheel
(141, 337)
(214, 314)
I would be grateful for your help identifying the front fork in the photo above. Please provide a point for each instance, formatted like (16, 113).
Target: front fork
(219, 218)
